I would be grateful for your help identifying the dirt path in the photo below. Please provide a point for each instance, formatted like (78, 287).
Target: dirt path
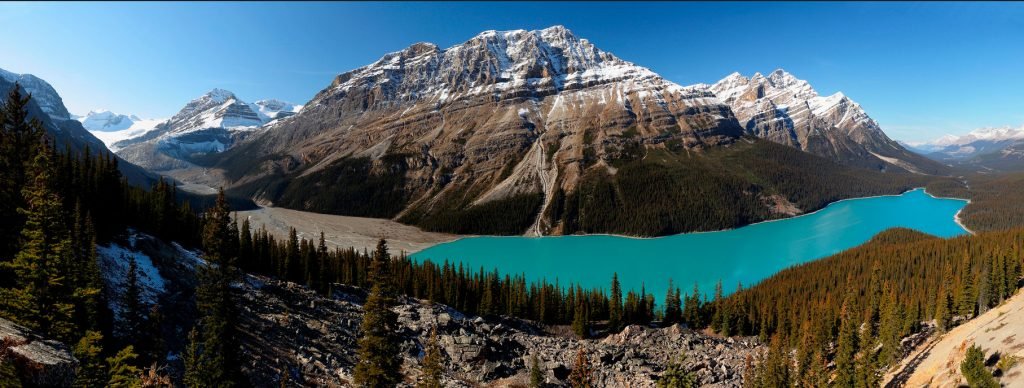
(937, 362)
(344, 231)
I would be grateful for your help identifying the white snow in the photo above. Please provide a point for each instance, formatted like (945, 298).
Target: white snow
(114, 265)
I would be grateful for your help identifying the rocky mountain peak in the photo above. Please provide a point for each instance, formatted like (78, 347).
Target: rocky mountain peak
(788, 110)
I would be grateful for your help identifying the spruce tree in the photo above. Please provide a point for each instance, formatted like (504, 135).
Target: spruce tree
(91, 369)
(379, 364)
(536, 375)
(41, 265)
(974, 370)
(217, 362)
(676, 375)
(122, 373)
(133, 312)
(615, 305)
(582, 375)
(847, 346)
(433, 365)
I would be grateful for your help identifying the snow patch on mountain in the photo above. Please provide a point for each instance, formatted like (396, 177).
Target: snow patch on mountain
(114, 261)
(973, 143)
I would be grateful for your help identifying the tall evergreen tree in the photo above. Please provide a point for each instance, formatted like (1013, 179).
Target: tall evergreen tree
(582, 375)
(123, 374)
(40, 267)
(133, 313)
(433, 365)
(217, 363)
(615, 305)
(378, 355)
(91, 369)
(536, 375)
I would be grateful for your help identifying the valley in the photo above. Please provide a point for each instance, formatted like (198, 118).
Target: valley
(512, 208)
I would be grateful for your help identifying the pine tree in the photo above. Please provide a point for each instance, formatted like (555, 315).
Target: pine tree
(91, 369)
(378, 355)
(133, 315)
(615, 305)
(536, 375)
(122, 373)
(974, 371)
(195, 374)
(672, 309)
(433, 365)
(847, 346)
(40, 267)
(676, 375)
(582, 375)
(217, 363)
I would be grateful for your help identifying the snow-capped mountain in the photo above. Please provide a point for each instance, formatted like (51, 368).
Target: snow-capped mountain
(44, 95)
(542, 105)
(977, 142)
(47, 106)
(272, 109)
(106, 121)
(787, 110)
(210, 123)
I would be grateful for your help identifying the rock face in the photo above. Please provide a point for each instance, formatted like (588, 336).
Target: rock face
(38, 362)
(208, 124)
(505, 113)
(289, 329)
(787, 110)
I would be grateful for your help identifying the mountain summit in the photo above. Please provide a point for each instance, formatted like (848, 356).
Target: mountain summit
(787, 110)
(503, 116)
(208, 124)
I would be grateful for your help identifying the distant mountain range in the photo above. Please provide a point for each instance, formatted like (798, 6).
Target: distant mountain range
(524, 122)
(208, 124)
(47, 106)
(982, 149)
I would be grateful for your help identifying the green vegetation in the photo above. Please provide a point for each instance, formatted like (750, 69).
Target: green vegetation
(868, 298)
(351, 186)
(974, 370)
(997, 201)
(666, 192)
(676, 375)
(379, 352)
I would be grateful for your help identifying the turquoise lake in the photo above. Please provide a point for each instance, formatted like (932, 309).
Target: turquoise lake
(747, 254)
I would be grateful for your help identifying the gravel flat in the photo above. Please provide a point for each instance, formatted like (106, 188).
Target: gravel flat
(344, 231)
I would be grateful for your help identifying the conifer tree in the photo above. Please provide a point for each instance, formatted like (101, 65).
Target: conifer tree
(91, 369)
(676, 375)
(536, 375)
(378, 355)
(133, 312)
(672, 309)
(582, 375)
(122, 373)
(433, 365)
(615, 305)
(40, 267)
(847, 346)
(974, 371)
(217, 360)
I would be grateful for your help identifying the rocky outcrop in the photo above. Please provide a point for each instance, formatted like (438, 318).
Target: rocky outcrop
(38, 362)
(289, 330)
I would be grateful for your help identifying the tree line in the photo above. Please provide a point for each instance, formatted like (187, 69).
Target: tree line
(56, 205)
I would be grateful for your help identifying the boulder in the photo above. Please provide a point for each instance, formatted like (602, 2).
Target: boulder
(37, 361)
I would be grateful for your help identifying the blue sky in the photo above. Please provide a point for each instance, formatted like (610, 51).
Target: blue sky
(921, 70)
